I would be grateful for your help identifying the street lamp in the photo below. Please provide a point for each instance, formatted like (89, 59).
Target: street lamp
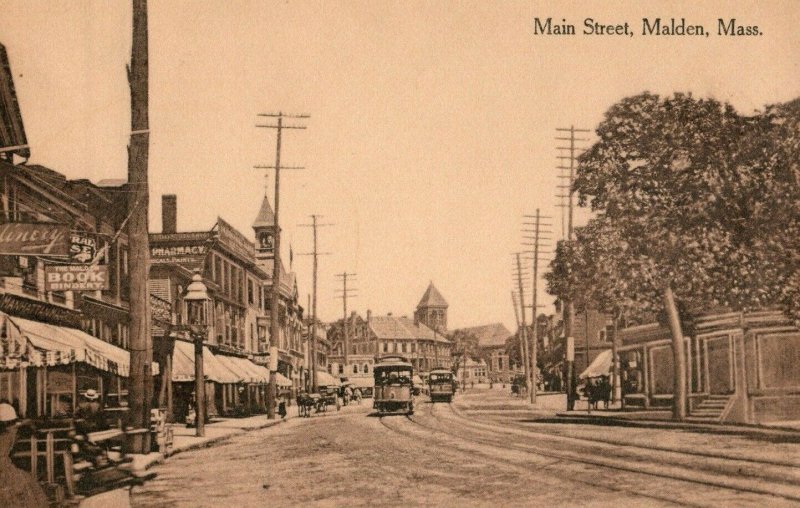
(197, 311)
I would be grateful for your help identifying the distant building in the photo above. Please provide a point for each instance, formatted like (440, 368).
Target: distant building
(425, 347)
(473, 372)
(492, 344)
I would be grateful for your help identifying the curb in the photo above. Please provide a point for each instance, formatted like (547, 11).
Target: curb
(788, 434)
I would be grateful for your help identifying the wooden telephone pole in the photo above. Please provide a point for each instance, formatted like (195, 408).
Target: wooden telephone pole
(140, 390)
(524, 328)
(568, 153)
(537, 237)
(345, 292)
(314, 224)
(275, 327)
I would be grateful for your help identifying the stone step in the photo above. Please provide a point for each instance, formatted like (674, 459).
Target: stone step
(713, 404)
(706, 413)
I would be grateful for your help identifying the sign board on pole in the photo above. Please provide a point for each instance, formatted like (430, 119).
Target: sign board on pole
(273, 359)
(34, 238)
(76, 277)
(570, 349)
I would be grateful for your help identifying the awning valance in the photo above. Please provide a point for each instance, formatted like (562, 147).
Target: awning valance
(362, 382)
(58, 345)
(325, 379)
(600, 366)
(213, 369)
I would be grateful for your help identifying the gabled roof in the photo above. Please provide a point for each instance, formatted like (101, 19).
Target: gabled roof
(494, 334)
(391, 327)
(265, 217)
(432, 298)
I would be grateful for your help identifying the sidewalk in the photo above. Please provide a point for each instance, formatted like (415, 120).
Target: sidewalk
(550, 407)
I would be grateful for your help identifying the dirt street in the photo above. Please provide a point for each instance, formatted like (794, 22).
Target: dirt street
(447, 455)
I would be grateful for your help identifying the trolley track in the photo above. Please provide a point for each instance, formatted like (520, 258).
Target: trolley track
(778, 486)
(488, 451)
(768, 471)
(779, 483)
(526, 427)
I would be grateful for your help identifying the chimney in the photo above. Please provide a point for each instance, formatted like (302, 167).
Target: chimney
(169, 213)
(369, 315)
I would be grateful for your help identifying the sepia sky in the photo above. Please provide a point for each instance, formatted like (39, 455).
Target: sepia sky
(432, 123)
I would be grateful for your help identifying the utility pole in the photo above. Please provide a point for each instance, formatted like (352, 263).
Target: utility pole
(569, 310)
(345, 292)
(314, 224)
(524, 337)
(141, 341)
(274, 306)
(537, 238)
(515, 303)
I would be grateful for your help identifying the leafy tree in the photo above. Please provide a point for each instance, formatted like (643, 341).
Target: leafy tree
(694, 203)
(465, 345)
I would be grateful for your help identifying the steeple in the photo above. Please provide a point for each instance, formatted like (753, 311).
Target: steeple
(265, 217)
(432, 310)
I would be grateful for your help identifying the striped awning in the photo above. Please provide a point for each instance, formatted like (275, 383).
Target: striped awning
(600, 366)
(58, 345)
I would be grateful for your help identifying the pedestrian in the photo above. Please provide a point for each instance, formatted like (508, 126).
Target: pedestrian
(282, 409)
(88, 414)
(17, 487)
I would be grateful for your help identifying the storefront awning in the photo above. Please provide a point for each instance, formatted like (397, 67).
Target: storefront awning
(247, 371)
(282, 380)
(601, 366)
(58, 345)
(362, 382)
(325, 379)
(213, 369)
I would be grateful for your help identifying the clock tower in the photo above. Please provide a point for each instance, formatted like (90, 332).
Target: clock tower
(264, 227)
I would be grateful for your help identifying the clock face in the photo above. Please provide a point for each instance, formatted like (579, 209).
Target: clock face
(266, 241)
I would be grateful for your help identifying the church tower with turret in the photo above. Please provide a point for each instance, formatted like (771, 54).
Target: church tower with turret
(432, 310)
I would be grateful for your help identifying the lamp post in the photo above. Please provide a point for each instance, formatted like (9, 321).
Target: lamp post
(197, 303)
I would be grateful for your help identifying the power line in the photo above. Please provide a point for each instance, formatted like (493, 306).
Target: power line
(314, 224)
(344, 294)
(276, 268)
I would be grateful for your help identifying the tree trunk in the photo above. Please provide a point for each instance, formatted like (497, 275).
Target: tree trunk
(678, 355)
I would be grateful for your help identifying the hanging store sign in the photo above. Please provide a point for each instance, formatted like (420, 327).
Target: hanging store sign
(32, 238)
(83, 247)
(76, 278)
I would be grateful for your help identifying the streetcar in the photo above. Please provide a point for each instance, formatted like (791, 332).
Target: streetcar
(441, 385)
(394, 385)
